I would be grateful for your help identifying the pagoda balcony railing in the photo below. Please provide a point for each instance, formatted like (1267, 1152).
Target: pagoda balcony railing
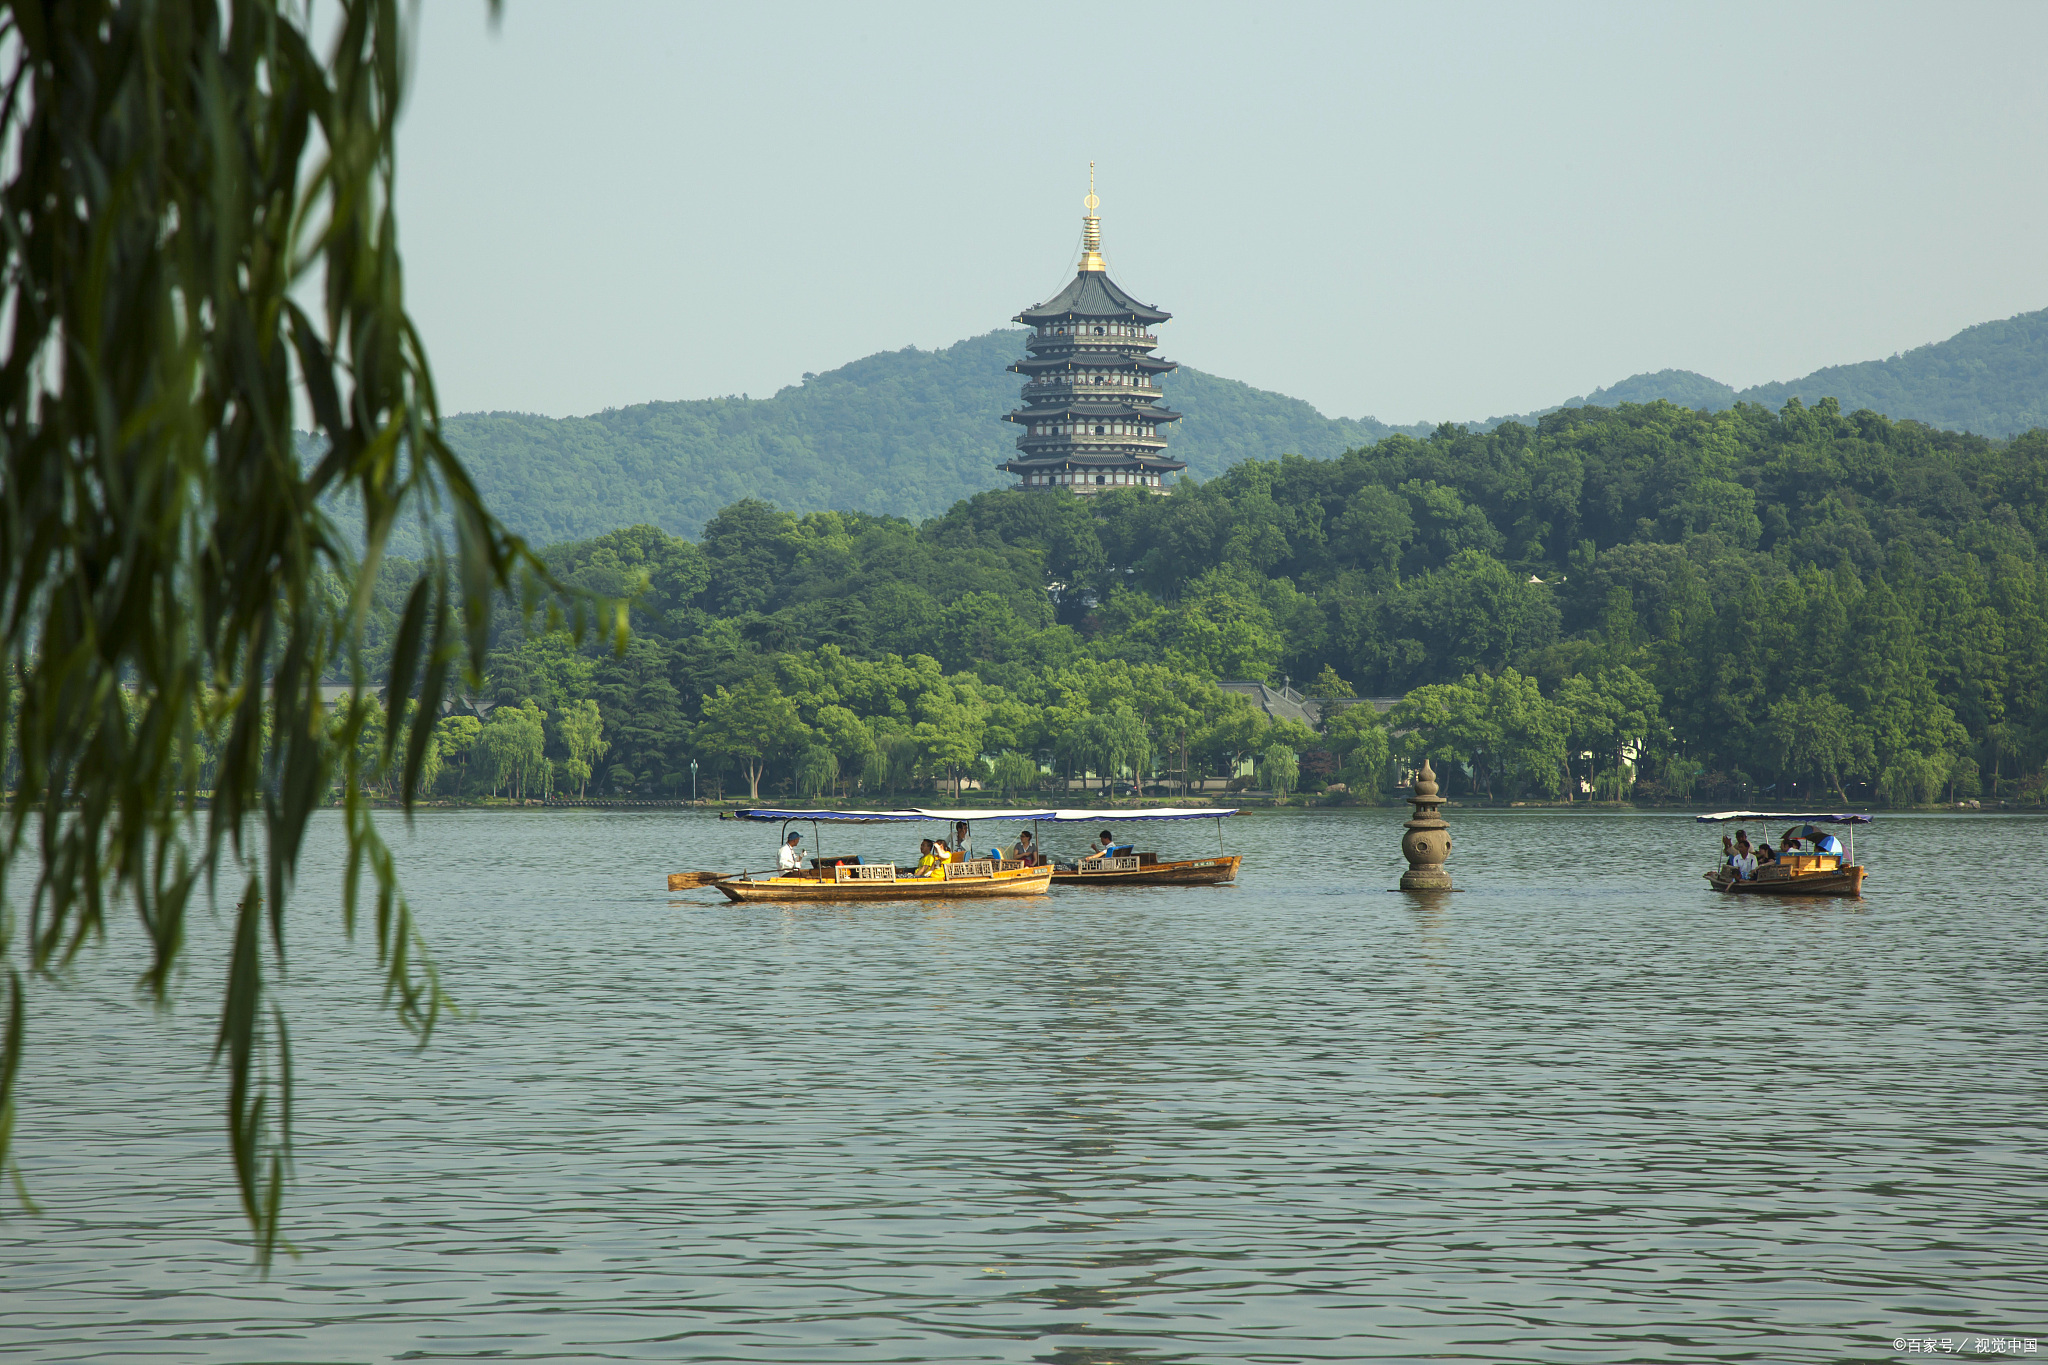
(1040, 446)
(1089, 490)
(1092, 338)
(1038, 387)
(1087, 435)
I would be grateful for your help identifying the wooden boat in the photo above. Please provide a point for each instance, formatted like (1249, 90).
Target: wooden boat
(974, 879)
(848, 879)
(1794, 874)
(1145, 869)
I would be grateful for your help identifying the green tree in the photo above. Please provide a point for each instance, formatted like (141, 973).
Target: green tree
(1121, 743)
(1499, 726)
(1376, 528)
(180, 177)
(456, 738)
(1816, 735)
(1358, 737)
(515, 740)
(1328, 685)
(582, 731)
(894, 761)
(1220, 629)
(1232, 733)
(1012, 772)
(370, 745)
(848, 738)
(817, 770)
(946, 745)
(1613, 714)
(750, 725)
(1280, 769)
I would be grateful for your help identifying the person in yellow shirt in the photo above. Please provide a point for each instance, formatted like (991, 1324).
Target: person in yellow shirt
(930, 862)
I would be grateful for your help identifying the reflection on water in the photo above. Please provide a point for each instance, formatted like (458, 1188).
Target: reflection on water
(1580, 1110)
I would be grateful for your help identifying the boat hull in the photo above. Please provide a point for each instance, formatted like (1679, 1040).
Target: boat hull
(1843, 881)
(1025, 882)
(1191, 872)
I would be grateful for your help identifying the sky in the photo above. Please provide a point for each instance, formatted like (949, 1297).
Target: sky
(1408, 212)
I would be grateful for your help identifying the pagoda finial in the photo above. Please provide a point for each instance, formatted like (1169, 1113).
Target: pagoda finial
(1091, 228)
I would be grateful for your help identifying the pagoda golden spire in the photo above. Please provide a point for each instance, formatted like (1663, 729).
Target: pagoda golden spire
(1091, 228)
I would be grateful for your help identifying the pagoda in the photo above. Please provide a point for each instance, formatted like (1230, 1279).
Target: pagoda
(1092, 418)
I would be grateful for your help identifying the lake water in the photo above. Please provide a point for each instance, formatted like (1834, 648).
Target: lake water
(1580, 1111)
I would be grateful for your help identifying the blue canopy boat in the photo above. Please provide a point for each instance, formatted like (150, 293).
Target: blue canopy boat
(1819, 871)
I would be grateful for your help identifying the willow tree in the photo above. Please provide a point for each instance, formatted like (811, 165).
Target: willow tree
(197, 227)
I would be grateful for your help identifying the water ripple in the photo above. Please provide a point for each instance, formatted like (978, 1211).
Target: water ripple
(1581, 1112)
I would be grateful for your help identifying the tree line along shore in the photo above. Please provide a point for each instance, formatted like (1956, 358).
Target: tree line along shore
(1643, 602)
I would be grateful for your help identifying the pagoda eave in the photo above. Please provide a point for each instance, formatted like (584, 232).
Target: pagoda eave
(1108, 360)
(1092, 294)
(1115, 463)
(1095, 412)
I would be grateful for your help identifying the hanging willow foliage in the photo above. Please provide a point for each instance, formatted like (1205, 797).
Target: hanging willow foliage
(178, 175)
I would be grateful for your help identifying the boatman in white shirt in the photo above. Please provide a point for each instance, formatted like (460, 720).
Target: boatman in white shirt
(1104, 842)
(791, 859)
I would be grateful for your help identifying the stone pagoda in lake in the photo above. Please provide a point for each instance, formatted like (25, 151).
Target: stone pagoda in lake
(1091, 417)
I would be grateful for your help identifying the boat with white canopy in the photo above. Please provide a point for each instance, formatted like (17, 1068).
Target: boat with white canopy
(1826, 867)
(1124, 865)
(849, 877)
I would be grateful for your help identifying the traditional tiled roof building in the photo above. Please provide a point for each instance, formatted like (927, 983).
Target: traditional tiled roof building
(1092, 418)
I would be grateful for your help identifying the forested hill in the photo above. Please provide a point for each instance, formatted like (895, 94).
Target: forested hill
(1801, 605)
(912, 432)
(1991, 379)
(906, 432)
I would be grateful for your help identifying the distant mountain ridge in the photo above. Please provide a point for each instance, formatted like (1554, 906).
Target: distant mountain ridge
(908, 432)
(1991, 379)
(912, 432)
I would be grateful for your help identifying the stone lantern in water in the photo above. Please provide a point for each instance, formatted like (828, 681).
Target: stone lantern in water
(1428, 840)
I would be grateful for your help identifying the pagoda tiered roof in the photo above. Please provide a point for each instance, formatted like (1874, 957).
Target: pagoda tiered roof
(1090, 372)
(1092, 295)
(1097, 360)
(1092, 412)
(1112, 460)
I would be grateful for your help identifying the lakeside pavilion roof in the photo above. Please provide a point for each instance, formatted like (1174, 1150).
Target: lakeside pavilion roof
(1095, 296)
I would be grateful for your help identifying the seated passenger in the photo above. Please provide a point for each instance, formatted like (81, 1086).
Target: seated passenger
(1744, 863)
(1104, 842)
(963, 841)
(1022, 851)
(1765, 855)
(931, 861)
